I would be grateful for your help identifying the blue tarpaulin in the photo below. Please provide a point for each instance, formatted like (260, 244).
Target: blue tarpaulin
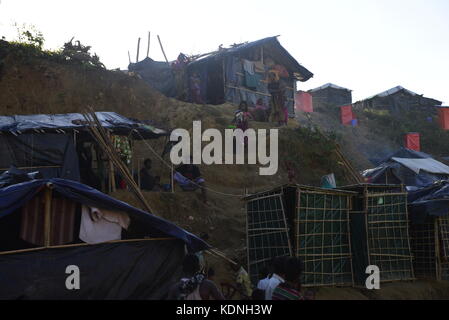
(409, 167)
(118, 124)
(16, 196)
(432, 200)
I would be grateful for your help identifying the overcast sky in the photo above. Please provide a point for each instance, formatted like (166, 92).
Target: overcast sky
(365, 45)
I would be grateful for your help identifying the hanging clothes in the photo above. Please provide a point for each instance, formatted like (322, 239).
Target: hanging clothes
(102, 225)
(248, 66)
(251, 81)
(62, 218)
(259, 67)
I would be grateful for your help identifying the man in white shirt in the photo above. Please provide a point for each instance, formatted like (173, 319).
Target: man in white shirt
(265, 274)
(276, 278)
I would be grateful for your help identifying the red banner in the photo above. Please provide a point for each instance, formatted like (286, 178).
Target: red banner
(412, 141)
(346, 114)
(303, 101)
(443, 115)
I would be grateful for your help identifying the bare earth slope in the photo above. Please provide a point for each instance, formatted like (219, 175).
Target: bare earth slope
(31, 84)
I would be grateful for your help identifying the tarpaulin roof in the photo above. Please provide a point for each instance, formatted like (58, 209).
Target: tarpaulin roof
(280, 54)
(412, 168)
(156, 73)
(429, 165)
(395, 90)
(432, 200)
(118, 124)
(329, 85)
(407, 153)
(17, 195)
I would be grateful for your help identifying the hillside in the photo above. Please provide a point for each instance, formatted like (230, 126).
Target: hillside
(380, 133)
(34, 82)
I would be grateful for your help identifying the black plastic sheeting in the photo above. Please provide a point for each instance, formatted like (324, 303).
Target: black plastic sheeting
(118, 124)
(53, 155)
(432, 200)
(392, 172)
(157, 74)
(14, 176)
(131, 270)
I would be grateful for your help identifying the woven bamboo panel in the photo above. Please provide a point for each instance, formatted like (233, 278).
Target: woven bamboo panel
(322, 238)
(267, 233)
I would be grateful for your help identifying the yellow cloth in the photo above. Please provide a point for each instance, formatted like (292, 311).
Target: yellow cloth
(244, 281)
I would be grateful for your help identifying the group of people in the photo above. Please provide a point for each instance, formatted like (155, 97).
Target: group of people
(278, 113)
(280, 281)
(188, 176)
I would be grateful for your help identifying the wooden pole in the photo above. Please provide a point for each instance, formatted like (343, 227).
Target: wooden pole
(162, 48)
(148, 46)
(104, 141)
(129, 57)
(172, 180)
(138, 172)
(138, 48)
(47, 219)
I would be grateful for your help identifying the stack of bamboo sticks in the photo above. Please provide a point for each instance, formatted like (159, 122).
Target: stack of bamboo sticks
(354, 175)
(100, 134)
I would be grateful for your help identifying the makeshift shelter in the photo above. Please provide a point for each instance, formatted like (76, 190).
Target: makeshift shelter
(443, 117)
(157, 74)
(41, 233)
(60, 145)
(331, 95)
(240, 73)
(408, 167)
(412, 141)
(379, 232)
(398, 99)
(308, 222)
(303, 101)
(429, 230)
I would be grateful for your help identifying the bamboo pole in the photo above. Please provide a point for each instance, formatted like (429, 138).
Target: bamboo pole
(84, 244)
(148, 45)
(437, 249)
(102, 137)
(172, 182)
(162, 48)
(138, 48)
(47, 218)
(221, 255)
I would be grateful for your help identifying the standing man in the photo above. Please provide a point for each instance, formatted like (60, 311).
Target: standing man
(147, 180)
(277, 277)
